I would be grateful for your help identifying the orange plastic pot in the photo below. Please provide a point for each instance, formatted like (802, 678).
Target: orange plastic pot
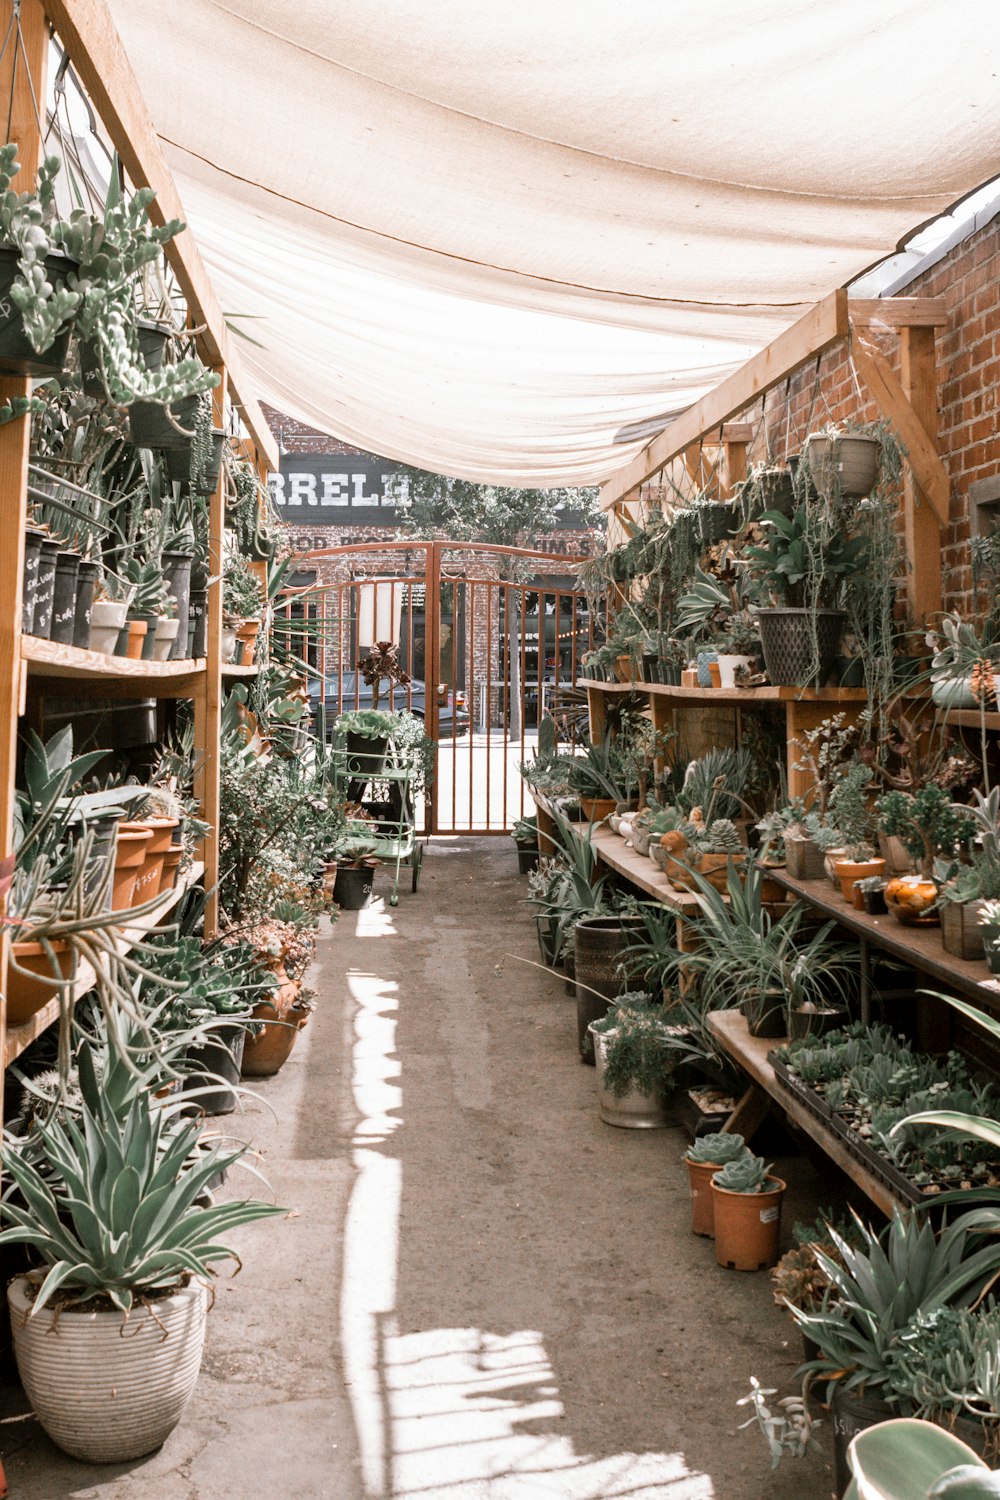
(171, 864)
(747, 1226)
(136, 637)
(130, 856)
(27, 994)
(700, 1174)
(267, 1052)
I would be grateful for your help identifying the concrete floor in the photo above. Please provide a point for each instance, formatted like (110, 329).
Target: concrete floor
(484, 1293)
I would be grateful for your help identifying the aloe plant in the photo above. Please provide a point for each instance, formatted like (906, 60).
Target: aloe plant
(906, 1459)
(111, 1210)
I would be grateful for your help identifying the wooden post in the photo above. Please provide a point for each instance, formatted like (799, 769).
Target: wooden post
(208, 696)
(16, 92)
(432, 667)
(923, 529)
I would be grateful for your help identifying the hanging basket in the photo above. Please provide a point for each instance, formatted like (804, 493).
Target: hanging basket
(150, 427)
(179, 464)
(17, 355)
(847, 463)
(794, 639)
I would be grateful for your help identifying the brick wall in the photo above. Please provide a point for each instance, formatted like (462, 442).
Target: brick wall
(968, 356)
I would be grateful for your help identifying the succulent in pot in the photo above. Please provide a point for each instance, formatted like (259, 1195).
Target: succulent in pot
(703, 1158)
(746, 1201)
(636, 1049)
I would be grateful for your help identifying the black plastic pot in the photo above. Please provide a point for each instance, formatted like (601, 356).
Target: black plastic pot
(153, 339)
(219, 1059)
(45, 589)
(875, 903)
(177, 576)
(179, 465)
(547, 932)
(64, 598)
(776, 492)
(365, 758)
(17, 356)
(197, 622)
(29, 585)
(815, 1022)
(786, 636)
(85, 581)
(766, 1015)
(599, 943)
(352, 889)
(527, 858)
(150, 427)
(852, 1413)
(716, 520)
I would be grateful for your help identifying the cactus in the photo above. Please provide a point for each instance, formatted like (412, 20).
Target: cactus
(717, 1149)
(743, 1174)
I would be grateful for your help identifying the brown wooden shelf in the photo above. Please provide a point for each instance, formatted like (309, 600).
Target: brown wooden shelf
(231, 669)
(769, 694)
(730, 1027)
(919, 947)
(971, 718)
(640, 870)
(19, 1037)
(67, 668)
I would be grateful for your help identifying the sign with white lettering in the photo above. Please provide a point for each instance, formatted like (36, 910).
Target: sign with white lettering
(336, 489)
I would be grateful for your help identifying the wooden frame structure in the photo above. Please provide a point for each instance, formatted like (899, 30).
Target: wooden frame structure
(908, 403)
(87, 32)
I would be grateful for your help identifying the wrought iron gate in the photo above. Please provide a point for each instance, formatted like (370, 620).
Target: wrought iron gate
(491, 637)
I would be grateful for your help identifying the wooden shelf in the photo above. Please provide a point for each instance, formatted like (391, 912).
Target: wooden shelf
(971, 718)
(19, 1037)
(640, 870)
(918, 946)
(230, 669)
(67, 668)
(767, 694)
(751, 1053)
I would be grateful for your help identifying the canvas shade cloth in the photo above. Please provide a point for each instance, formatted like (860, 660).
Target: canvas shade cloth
(482, 237)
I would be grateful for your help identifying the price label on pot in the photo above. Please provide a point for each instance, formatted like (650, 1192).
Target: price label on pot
(768, 1215)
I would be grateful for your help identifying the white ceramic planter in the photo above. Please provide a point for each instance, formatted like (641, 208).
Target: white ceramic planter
(104, 1392)
(107, 616)
(166, 634)
(227, 644)
(727, 668)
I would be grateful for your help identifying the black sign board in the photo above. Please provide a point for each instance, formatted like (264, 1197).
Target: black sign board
(336, 489)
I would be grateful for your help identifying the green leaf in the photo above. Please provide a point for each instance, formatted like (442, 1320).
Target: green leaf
(904, 1458)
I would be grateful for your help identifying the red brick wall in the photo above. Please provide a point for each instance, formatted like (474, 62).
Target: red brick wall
(968, 353)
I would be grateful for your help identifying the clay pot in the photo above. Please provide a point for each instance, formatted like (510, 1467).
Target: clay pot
(283, 1018)
(130, 856)
(700, 1174)
(849, 870)
(27, 995)
(150, 877)
(247, 633)
(171, 865)
(747, 1226)
(911, 899)
(596, 808)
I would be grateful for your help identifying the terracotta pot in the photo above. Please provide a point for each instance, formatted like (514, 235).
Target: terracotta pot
(623, 668)
(747, 1226)
(136, 639)
(595, 808)
(171, 865)
(911, 898)
(711, 867)
(265, 1054)
(849, 870)
(247, 633)
(27, 995)
(700, 1174)
(130, 856)
(149, 878)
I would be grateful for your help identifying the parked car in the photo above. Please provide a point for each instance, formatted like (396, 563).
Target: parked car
(349, 690)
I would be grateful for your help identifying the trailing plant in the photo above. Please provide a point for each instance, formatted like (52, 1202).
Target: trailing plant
(641, 1048)
(789, 1430)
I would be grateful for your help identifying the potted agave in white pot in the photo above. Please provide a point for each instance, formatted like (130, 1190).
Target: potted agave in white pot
(109, 1196)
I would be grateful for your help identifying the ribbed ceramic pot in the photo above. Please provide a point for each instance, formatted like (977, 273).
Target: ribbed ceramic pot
(106, 1390)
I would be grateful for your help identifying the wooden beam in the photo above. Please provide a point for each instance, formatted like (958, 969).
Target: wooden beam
(735, 467)
(822, 326)
(89, 35)
(208, 698)
(918, 371)
(892, 401)
(899, 312)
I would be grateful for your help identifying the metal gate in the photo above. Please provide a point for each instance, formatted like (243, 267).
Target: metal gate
(491, 637)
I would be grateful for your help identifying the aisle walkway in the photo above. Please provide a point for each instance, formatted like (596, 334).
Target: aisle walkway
(486, 1294)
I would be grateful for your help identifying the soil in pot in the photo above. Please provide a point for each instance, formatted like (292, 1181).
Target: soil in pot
(748, 1226)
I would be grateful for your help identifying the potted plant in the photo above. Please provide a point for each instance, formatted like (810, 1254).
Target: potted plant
(989, 922)
(963, 667)
(242, 602)
(932, 828)
(802, 566)
(525, 836)
(969, 885)
(707, 1155)
(356, 862)
(843, 464)
(78, 1187)
(746, 1203)
(636, 1048)
(906, 1459)
(872, 892)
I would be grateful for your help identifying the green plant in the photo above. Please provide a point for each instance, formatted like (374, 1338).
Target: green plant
(111, 1209)
(945, 1364)
(928, 822)
(368, 723)
(715, 782)
(744, 1174)
(721, 836)
(906, 1459)
(242, 595)
(788, 1430)
(641, 1047)
(806, 558)
(717, 1148)
(149, 592)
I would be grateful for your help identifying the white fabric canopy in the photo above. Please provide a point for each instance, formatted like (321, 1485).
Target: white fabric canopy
(482, 237)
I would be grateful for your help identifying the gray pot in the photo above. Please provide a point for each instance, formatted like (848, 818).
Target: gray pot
(599, 942)
(804, 859)
(634, 1110)
(215, 1067)
(177, 576)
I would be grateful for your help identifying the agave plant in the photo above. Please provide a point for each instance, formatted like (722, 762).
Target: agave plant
(111, 1209)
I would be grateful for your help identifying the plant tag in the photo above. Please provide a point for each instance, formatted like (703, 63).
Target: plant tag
(768, 1215)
